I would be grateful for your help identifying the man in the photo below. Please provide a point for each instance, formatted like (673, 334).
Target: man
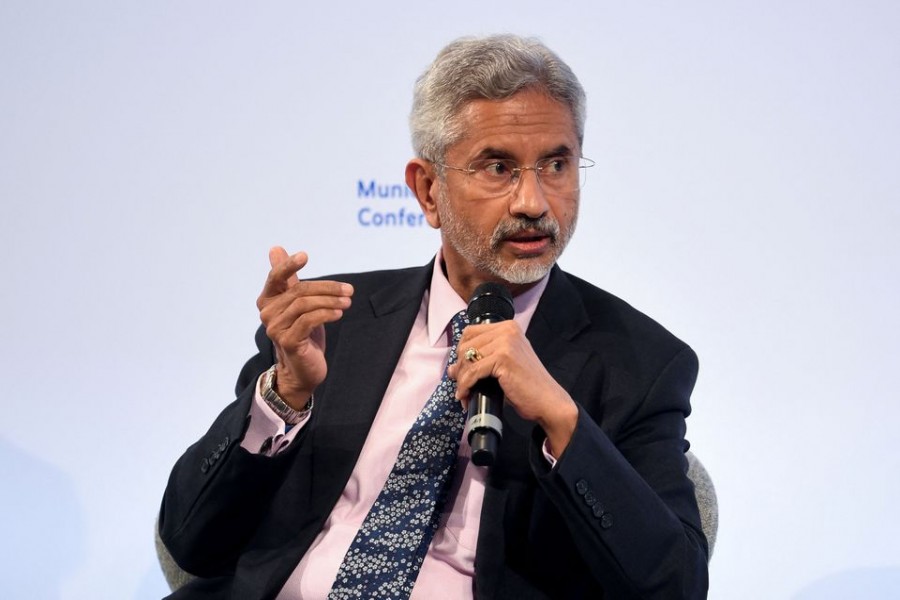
(287, 494)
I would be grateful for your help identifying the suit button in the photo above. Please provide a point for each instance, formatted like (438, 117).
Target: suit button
(216, 455)
(204, 466)
(597, 509)
(589, 498)
(581, 487)
(606, 521)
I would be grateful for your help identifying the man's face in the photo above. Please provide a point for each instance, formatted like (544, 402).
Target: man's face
(518, 236)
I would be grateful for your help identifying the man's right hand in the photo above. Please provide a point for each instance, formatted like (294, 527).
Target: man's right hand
(294, 313)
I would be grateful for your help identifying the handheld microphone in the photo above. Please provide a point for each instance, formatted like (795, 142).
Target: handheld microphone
(491, 303)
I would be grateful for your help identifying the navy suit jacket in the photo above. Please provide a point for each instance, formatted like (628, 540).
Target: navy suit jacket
(616, 517)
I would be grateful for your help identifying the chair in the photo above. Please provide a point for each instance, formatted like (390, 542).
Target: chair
(703, 490)
(175, 575)
(707, 502)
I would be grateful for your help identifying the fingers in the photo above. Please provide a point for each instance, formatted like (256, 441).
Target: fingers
(283, 277)
(292, 309)
(278, 255)
(298, 312)
(283, 274)
(307, 296)
(495, 347)
(528, 387)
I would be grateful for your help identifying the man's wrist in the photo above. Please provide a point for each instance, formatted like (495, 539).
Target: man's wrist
(285, 411)
(560, 428)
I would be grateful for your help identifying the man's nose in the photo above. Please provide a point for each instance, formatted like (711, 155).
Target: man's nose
(528, 197)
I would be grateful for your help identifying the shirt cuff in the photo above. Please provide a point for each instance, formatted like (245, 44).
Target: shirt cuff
(545, 448)
(267, 434)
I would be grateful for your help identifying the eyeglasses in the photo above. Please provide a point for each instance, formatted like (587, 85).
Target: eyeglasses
(500, 176)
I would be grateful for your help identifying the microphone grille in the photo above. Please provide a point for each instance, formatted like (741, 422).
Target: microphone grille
(491, 302)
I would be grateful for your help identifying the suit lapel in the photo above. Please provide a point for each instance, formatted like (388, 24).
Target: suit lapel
(560, 316)
(364, 350)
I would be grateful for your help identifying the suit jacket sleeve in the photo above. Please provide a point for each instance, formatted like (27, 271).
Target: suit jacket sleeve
(218, 491)
(622, 490)
(229, 512)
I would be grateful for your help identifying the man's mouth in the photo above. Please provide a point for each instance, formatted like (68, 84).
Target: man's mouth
(529, 242)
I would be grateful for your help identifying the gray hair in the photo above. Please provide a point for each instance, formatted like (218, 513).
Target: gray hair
(491, 68)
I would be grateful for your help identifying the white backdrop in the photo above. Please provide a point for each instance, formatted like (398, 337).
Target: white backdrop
(746, 196)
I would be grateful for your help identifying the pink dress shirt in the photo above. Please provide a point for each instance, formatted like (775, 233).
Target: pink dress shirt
(449, 565)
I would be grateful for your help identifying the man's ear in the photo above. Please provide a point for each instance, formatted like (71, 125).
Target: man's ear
(421, 179)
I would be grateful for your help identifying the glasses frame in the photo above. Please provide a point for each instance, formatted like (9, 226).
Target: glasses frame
(516, 172)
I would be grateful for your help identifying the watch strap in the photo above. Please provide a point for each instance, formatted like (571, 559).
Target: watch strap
(288, 414)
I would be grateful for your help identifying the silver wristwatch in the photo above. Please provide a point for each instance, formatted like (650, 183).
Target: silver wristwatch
(289, 415)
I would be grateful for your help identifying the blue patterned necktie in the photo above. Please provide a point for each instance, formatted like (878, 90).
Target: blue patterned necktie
(384, 559)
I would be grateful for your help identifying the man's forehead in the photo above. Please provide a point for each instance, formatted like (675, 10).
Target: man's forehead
(504, 127)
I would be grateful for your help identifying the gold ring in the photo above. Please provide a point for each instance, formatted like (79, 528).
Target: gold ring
(472, 355)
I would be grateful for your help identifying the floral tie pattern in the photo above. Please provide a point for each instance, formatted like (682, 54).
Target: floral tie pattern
(384, 559)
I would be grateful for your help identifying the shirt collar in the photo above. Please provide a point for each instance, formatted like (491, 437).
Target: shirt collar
(444, 303)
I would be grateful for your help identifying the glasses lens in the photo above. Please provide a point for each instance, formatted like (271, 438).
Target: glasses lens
(577, 172)
(557, 175)
(493, 175)
(583, 165)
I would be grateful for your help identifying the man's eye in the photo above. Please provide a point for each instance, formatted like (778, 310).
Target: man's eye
(555, 165)
(496, 168)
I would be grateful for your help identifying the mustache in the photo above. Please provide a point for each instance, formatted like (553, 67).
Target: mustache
(542, 226)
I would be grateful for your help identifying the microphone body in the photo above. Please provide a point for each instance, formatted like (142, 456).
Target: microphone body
(491, 303)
